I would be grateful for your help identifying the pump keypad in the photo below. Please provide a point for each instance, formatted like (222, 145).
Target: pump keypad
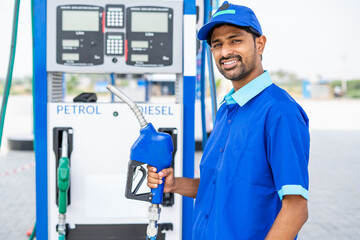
(115, 44)
(114, 16)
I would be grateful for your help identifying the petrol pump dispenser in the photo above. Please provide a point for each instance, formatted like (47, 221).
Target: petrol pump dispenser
(111, 37)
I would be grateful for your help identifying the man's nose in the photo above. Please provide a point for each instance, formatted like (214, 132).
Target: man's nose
(226, 50)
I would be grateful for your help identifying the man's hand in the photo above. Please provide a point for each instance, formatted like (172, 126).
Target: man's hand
(181, 185)
(154, 178)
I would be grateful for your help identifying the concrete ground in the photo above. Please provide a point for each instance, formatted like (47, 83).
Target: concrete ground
(17, 194)
(334, 167)
(17, 173)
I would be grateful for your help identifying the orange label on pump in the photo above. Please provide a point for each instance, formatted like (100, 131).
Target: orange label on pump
(126, 49)
(103, 22)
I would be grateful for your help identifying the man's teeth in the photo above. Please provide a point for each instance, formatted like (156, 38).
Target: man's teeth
(229, 63)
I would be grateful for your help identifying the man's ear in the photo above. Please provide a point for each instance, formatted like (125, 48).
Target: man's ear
(260, 44)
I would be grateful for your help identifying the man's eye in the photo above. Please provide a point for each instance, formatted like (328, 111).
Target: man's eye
(216, 45)
(236, 41)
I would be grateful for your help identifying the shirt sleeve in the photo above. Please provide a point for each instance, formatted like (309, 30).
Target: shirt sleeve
(288, 155)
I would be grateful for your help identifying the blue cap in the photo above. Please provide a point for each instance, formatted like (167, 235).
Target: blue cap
(232, 14)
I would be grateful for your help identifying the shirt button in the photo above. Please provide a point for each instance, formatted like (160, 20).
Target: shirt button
(221, 150)
(206, 216)
(214, 181)
(229, 121)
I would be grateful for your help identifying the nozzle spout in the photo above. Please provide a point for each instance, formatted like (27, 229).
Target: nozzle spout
(64, 145)
(154, 216)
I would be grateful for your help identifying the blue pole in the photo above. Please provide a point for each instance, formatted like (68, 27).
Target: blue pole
(147, 90)
(189, 118)
(63, 86)
(112, 77)
(40, 115)
(207, 12)
(202, 95)
(188, 152)
(212, 84)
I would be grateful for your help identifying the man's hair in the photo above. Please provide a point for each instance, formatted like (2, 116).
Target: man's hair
(255, 34)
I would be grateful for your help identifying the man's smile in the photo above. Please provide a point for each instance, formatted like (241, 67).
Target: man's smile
(229, 62)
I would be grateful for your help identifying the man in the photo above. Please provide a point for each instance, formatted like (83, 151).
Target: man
(253, 174)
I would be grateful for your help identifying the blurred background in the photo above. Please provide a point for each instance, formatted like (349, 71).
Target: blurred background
(312, 51)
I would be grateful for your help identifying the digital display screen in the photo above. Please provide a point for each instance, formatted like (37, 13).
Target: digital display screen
(139, 44)
(117, 37)
(70, 57)
(70, 43)
(115, 9)
(149, 22)
(80, 21)
(139, 57)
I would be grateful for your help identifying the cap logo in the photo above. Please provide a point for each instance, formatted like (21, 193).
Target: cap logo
(230, 11)
(226, 5)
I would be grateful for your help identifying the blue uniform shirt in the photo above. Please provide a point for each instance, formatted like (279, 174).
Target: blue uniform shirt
(258, 152)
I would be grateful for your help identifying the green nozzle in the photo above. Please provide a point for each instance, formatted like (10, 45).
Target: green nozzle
(63, 183)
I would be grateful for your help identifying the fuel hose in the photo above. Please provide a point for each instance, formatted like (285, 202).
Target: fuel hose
(130, 103)
(8, 80)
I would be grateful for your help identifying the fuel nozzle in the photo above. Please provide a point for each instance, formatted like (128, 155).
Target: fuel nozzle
(152, 148)
(63, 185)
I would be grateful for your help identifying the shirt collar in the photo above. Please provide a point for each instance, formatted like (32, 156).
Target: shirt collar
(249, 91)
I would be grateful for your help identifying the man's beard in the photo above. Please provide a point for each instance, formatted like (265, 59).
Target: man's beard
(241, 71)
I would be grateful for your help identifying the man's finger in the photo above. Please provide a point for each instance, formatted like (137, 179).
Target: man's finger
(151, 185)
(153, 180)
(164, 173)
(151, 168)
(153, 175)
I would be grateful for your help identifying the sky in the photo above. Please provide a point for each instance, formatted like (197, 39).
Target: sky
(311, 38)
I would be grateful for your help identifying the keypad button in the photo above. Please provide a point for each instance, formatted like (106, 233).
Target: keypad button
(114, 44)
